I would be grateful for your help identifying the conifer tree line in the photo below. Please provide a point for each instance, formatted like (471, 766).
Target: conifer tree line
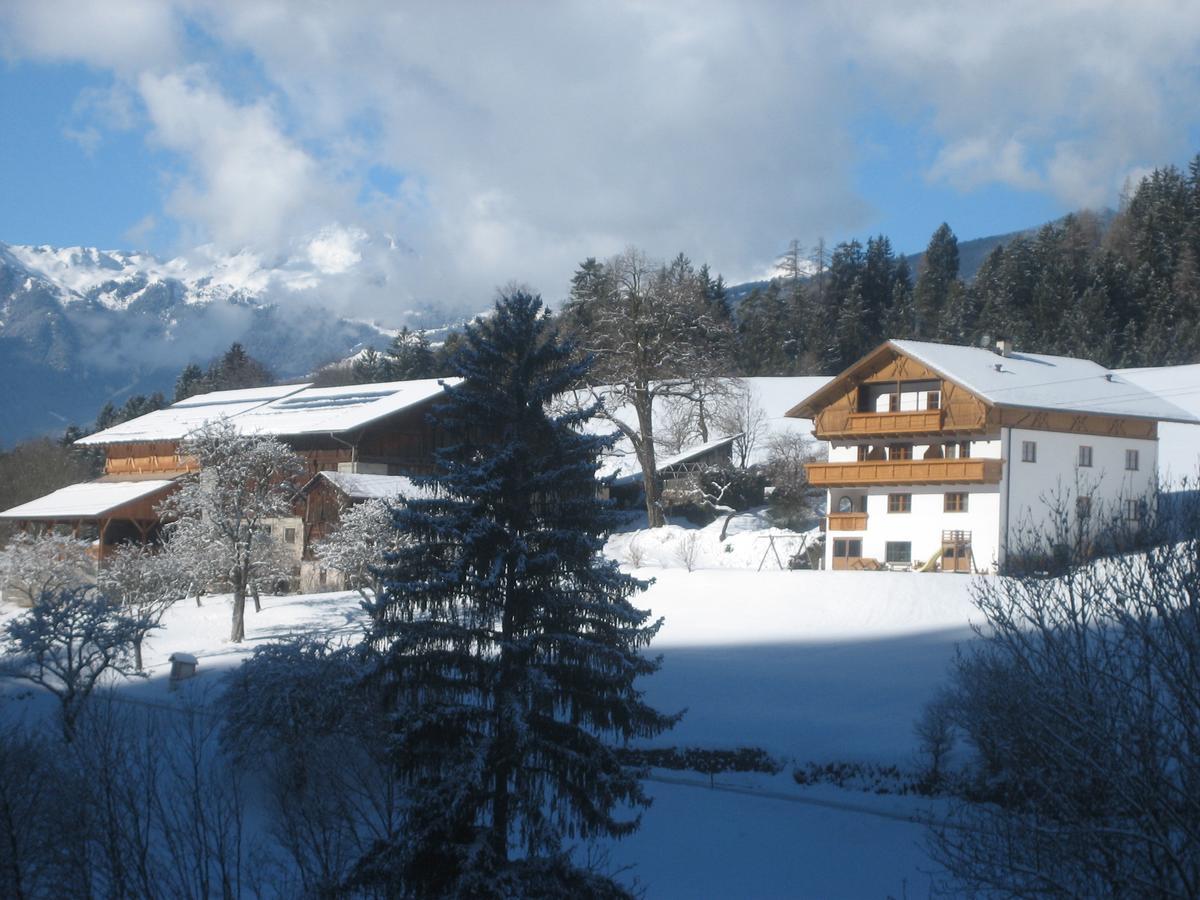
(1123, 292)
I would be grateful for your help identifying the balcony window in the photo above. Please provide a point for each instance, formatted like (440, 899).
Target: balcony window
(900, 451)
(899, 503)
(933, 400)
(898, 552)
(1085, 456)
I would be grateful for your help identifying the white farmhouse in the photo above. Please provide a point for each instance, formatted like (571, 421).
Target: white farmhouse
(944, 457)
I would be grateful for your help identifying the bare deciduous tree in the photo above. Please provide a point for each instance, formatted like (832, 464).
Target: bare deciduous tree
(653, 335)
(144, 583)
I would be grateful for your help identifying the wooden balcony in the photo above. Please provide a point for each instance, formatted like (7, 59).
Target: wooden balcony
(885, 424)
(854, 521)
(904, 471)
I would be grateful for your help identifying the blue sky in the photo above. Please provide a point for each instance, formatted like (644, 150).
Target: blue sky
(441, 150)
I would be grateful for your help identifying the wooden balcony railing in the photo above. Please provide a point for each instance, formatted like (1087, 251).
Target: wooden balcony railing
(885, 424)
(854, 521)
(904, 471)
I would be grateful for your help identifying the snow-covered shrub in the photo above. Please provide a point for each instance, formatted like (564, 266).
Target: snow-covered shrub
(67, 642)
(33, 565)
(687, 550)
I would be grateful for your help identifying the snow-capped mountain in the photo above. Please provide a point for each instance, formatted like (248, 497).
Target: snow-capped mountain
(80, 326)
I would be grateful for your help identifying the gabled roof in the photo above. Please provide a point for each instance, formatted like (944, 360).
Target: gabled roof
(370, 487)
(284, 410)
(1020, 380)
(687, 455)
(180, 419)
(338, 409)
(88, 500)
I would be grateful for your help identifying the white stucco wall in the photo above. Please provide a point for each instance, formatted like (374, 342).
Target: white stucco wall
(1056, 477)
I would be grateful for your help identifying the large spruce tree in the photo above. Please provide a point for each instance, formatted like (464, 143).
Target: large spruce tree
(507, 647)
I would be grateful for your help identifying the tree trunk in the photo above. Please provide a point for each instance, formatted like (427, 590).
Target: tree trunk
(137, 654)
(239, 609)
(257, 601)
(643, 404)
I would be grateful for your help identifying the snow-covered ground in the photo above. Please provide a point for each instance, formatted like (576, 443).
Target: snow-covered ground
(811, 666)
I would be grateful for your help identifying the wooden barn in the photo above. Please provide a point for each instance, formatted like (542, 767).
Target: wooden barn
(368, 429)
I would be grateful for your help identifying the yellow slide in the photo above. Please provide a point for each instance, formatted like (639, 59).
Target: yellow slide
(931, 564)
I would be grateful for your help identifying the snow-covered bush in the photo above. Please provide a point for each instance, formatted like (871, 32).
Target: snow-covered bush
(33, 565)
(688, 550)
(67, 642)
(357, 546)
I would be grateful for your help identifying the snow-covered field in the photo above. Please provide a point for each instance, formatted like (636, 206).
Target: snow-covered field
(811, 666)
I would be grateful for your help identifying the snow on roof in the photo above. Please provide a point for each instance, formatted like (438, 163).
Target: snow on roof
(291, 409)
(89, 500)
(372, 487)
(180, 419)
(1178, 444)
(338, 409)
(1037, 381)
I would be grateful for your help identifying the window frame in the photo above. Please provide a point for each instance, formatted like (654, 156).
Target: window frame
(1084, 458)
(960, 505)
(1134, 456)
(887, 553)
(1028, 451)
(289, 535)
(899, 503)
(845, 545)
(1083, 508)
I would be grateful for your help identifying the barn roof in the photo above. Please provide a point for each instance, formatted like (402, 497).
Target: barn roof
(88, 500)
(370, 487)
(284, 410)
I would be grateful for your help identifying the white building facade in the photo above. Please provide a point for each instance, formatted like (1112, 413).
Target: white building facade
(946, 458)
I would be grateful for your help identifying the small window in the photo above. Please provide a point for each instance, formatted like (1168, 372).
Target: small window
(289, 535)
(899, 552)
(1135, 510)
(1131, 460)
(933, 400)
(1028, 451)
(267, 530)
(1085, 456)
(847, 548)
(1083, 507)
(956, 502)
(900, 451)
(899, 503)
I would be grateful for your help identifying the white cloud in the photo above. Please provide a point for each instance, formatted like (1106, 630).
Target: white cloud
(248, 183)
(526, 136)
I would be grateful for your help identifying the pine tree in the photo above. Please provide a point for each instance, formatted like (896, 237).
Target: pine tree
(506, 645)
(939, 272)
(409, 357)
(189, 383)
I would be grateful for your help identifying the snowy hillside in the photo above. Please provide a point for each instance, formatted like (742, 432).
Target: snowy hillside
(811, 666)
